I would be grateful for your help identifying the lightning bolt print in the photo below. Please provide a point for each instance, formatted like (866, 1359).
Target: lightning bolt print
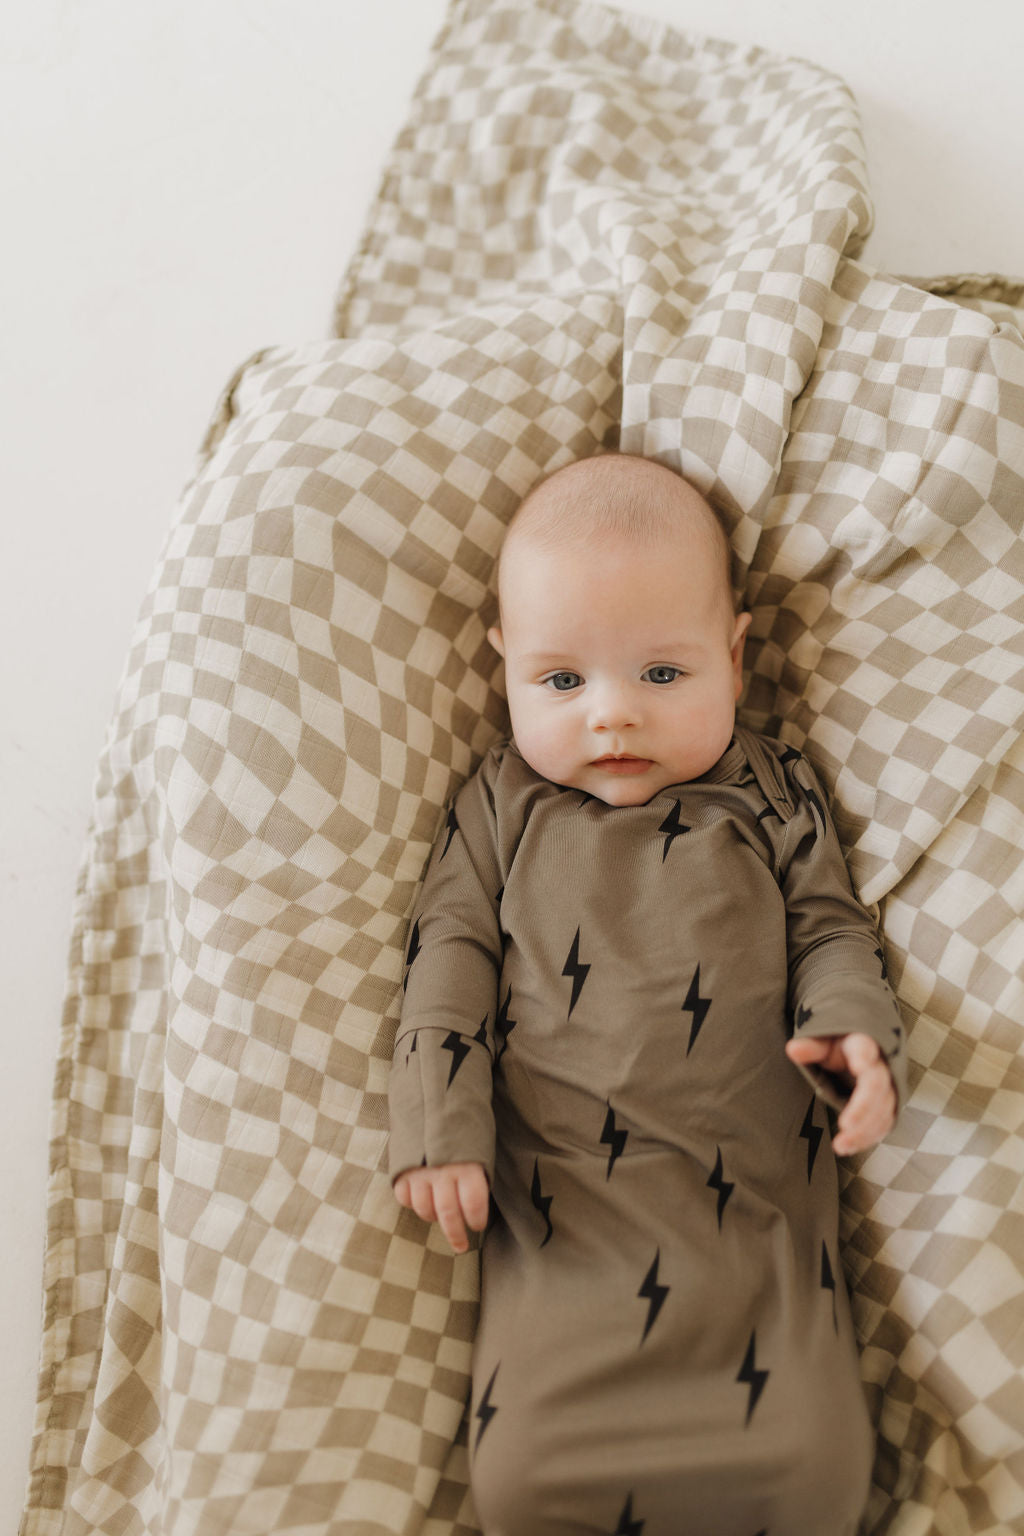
(613, 1138)
(896, 1043)
(814, 801)
(412, 951)
(803, 1017)
(672, 828)
(627, 1526)
(504, 1024)
(576, 970)
(453, 827)
(722, 1185)
(653, 1293)
(486, 1410)
(454, 1042)
(828, 1282)
(811, 1133)
(696, 1005)
(541, 1202)
(751, 1377)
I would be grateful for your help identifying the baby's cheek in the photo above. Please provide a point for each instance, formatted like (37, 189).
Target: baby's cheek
(543, 739)
(539, 749)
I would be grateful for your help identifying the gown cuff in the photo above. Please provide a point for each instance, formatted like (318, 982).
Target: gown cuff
(849, 1003)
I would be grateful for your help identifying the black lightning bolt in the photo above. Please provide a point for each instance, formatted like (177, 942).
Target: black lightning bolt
(752, 1377)
(485, 1409)
(768, 812)
(722, 1185)
(504, 1025)
(696, 1005)
(578, 972)
(880, 957)
(454, 1042)
(412, 951)
(614, 1139)
(803, 1016)
(653, 1293)
(481, 1035)
(453, 827)
(627, 1526)
(811, 1133)
(541, 1202)
(816, 806)
(791, 755)
(828, 1282)
(672, 828)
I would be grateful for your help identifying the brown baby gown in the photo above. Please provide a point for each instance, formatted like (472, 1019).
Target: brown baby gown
(603, 994)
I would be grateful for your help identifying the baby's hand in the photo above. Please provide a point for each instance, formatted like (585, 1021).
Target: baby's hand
(456, 1195)
(856, 1062)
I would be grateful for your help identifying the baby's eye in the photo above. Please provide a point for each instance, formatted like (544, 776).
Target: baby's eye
(662, 674)
(564, 682)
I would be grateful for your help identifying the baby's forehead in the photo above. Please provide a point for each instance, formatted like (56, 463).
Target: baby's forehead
(615, 495)
(582, 557)
(608, 506)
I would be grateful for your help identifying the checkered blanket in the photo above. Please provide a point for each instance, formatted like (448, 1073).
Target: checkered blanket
(591, 233)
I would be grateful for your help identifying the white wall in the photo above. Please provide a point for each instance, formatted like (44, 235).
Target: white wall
(185, 184)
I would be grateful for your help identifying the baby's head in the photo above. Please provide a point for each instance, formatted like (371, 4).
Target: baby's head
(623, 650)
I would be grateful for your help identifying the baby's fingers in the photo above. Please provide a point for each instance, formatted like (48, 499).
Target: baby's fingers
(421, 1195)
(808, 1050)
(870, 1113)
(475, 1197)
(449, 1212)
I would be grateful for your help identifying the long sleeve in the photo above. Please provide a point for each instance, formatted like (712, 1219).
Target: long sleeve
(837, 975)
(439, 1089)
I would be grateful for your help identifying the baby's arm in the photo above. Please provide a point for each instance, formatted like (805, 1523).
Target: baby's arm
(441, 1149)
(456, 1196)
(848, 1032)
(856, 1062)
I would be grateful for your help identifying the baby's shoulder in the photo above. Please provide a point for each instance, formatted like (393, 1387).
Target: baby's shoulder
(784, 774)
(505, 781)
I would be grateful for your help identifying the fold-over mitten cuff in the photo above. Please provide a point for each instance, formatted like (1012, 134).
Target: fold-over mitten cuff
(439, 1094)
(847, 1003)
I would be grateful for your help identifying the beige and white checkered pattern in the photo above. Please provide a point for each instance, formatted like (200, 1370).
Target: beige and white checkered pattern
(592, 233)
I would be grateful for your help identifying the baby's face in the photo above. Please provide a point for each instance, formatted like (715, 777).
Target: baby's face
(623, 663)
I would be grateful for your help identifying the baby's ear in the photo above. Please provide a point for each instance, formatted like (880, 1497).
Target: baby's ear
(739, 636)
(494, 636)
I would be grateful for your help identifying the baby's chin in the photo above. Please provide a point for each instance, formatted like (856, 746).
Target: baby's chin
(623, 794)
(622, 789)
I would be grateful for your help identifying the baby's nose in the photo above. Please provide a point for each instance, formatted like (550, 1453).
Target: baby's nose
(613, 708)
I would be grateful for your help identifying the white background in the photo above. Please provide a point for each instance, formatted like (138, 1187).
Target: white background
(185, 184)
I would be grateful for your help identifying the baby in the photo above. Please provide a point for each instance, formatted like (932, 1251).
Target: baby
(635, 944)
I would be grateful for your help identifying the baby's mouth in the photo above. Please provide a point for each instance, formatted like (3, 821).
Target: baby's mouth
(622, 763)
